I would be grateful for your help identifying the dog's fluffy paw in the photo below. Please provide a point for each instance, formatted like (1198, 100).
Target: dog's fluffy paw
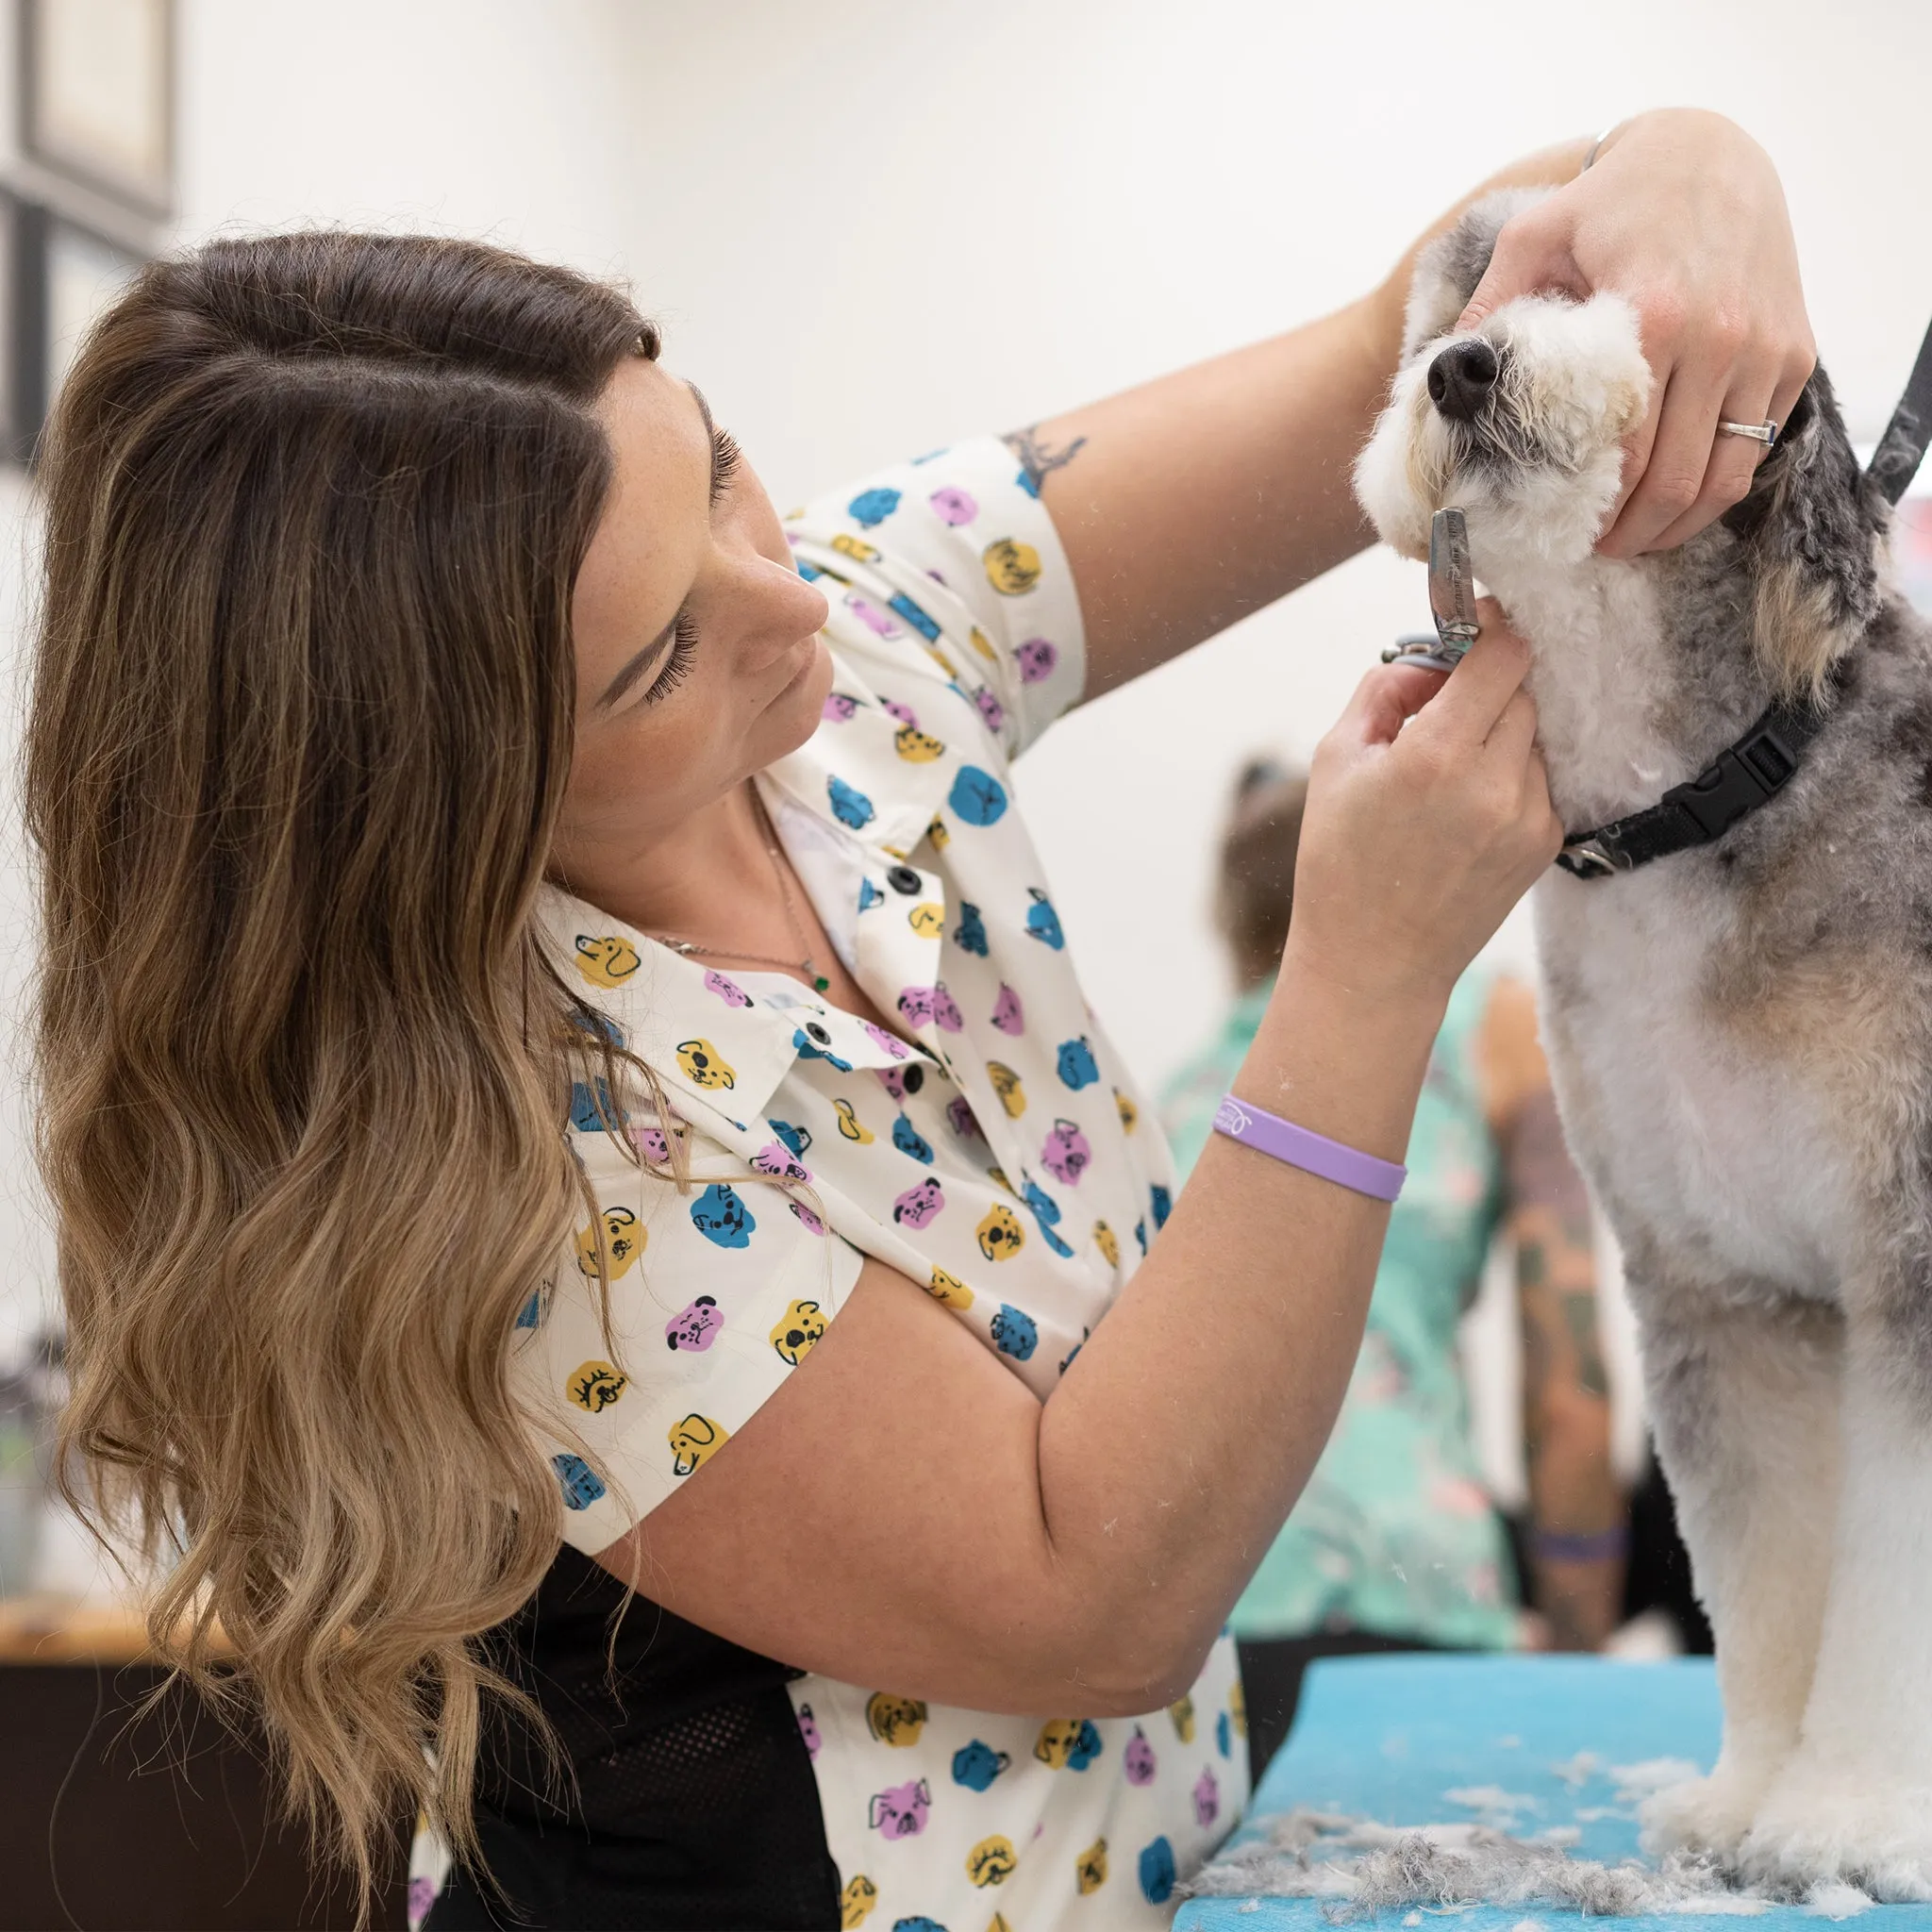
(1703, 1814)
(1819, 1827)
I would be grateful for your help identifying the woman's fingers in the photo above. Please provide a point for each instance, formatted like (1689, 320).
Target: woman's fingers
(1492, 672)
(1386, 699)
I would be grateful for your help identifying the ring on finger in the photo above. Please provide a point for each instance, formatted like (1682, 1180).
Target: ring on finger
(1765, 433)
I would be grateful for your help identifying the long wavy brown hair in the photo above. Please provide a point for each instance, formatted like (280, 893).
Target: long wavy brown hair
(301, 719)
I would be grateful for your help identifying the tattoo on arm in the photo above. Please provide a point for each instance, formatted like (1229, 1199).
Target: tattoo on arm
(1038, 460)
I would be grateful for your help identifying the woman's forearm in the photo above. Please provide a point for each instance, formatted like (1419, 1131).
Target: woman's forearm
(1179, 1439)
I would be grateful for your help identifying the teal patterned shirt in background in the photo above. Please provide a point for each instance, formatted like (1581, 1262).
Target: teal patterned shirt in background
(1395, 1533)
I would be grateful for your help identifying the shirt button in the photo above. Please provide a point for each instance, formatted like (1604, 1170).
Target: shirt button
(902, 878)
(912, 1079)
(814, 1031)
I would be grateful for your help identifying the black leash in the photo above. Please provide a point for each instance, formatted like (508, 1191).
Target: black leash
(1757, 766)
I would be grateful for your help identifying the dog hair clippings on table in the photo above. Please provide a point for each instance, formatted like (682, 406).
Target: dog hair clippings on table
(1315, 1153)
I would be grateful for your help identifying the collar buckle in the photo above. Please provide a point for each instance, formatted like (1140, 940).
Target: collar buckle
(1589, 858)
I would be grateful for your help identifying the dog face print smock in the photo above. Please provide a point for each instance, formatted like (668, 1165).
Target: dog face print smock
(998, 1156)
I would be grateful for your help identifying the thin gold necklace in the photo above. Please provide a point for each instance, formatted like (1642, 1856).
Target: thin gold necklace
(687, 948)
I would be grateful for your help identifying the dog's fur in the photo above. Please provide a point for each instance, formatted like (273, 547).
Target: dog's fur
(1742, 1037)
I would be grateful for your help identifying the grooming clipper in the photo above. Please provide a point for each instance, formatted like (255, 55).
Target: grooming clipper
(1452, 599)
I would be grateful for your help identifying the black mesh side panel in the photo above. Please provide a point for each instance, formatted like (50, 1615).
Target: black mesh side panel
(695, 1804)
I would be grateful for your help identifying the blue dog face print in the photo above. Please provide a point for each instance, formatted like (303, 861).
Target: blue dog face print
(1079, 1068)
(977, 798)
(720, 1216)
(1163, 1205)
(1156, 1871)
(849, 807)
(976, 1765)
(1046, 1211)
(580, 1483)
(808, 1050)
(1042, 922)
(907, 1140)
(970, 934)
(1014, 1333)
(916, 615)
(871, 508)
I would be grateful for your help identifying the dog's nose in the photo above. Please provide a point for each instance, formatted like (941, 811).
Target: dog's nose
(1460, 377)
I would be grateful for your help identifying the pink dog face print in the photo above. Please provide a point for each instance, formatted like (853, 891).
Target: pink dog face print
(1067, 1154)
(804, 1214)
(837, 707)
(903, 712)
(694, 1327)
(1207, 1799)
(899, 1810)
(728, 989)
(1036, 658)
(808, 1730)
(953, 505)
(990, 708)
(1009, 1015)
(652, 1144)
(918, 1205)
(888, 1042)
(871, 616)
(931, 1005)
(776, 1160)
(960, 1118)
(1140, 1759)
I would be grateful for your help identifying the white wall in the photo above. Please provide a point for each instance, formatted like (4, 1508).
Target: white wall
(875, 226)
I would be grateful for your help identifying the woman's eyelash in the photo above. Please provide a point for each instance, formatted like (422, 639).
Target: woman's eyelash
(684, 641)
(725, 457)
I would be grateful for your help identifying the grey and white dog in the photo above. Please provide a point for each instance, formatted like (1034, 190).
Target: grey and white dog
(1741, 1035)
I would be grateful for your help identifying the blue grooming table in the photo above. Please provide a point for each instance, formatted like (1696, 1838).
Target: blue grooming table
(1388, 1738)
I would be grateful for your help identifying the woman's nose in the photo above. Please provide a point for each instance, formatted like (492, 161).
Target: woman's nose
(1460, 377)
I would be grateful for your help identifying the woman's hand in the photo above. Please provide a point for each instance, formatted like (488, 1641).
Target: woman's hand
(1428, 817)
(1681, 214)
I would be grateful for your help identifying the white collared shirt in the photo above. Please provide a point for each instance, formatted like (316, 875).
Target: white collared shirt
(1006, 1163)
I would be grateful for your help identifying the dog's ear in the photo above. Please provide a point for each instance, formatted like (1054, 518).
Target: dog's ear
(1447, 271)
(1813, 523)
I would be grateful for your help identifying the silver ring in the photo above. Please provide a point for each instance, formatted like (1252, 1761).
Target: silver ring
(1765, 433)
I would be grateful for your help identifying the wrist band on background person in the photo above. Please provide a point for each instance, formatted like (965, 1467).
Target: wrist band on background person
(1560, 1546)
(1315, 1153)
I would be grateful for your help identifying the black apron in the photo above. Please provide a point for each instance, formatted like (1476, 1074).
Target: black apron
(694, 1802)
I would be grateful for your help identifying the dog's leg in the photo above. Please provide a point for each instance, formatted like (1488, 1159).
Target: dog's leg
(1855, 1801)
(1744, 1400)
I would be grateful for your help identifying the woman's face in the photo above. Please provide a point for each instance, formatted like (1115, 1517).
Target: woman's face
(698, 657)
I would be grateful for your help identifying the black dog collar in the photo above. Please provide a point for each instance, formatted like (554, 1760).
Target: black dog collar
(1747, 773)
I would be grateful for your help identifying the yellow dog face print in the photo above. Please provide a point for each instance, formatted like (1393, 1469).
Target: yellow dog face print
(703, 1065)
(594, 1386)
(606, 961)
(624, 1238)
(804, 1324)
(693, 1441)
(1012, 568)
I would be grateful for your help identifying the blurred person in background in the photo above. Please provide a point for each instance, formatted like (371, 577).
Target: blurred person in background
(1395, 1543)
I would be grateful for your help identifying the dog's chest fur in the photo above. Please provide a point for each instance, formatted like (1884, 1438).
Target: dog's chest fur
(1739, 1034)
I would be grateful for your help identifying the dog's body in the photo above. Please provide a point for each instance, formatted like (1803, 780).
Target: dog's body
(1742, 1037)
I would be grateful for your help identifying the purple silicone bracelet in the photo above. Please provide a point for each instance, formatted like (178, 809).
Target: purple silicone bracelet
(1314, 1154)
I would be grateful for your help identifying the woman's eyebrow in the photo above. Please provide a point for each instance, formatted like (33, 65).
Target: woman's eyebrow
(638, 665)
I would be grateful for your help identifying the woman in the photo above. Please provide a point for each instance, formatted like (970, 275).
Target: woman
(1394, 1545)
(552, 1027)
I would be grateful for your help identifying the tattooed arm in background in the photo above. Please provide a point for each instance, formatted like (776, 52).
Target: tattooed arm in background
(1577, 1507)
